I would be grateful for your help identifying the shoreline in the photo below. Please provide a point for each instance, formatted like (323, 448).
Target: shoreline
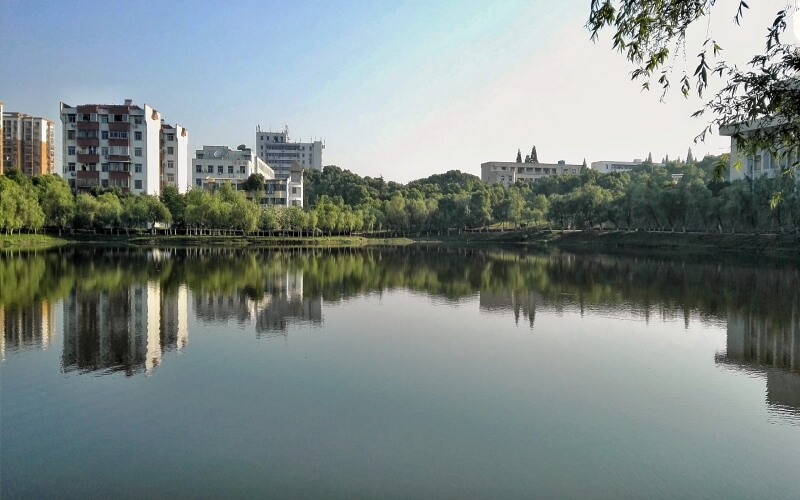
(622, 242)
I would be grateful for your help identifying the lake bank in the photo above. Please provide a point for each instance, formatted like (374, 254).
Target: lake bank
(785, 245)
(621, 242)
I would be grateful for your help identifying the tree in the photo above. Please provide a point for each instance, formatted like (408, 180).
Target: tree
(56, 201)
(584, 163)
(689, 157)
(650, 157)
(534, 158)
(759, 105)
(519, 156)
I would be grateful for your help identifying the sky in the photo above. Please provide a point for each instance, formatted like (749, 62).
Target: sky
(402, 89)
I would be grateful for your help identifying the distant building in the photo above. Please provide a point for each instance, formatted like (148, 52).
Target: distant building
(277, 150)
(508, 172)
(761, 164)
(214, 165)
(121, 146)
(28, 144)
(607, 167)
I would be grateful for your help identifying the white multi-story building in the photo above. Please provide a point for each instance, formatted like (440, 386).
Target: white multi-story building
(214, 165)
(116, 145)
(509, 172)
(175, 157)
(763, 163)
(610, 166)
(277, 150)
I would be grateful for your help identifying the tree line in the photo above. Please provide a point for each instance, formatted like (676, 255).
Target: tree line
(674, 196)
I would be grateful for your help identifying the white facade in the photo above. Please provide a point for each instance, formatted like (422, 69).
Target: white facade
(610, 166)
(761, 164)
(277, 150)
(112, 146)
(175, 157)
(213, 165)
(509, 172)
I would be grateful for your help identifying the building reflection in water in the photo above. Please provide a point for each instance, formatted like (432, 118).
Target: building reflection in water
(28, 327)
(281, 304)
(770, 350)
(123, 330)
(521, 303)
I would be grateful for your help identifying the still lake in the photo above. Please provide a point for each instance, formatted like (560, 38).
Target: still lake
(418, 372)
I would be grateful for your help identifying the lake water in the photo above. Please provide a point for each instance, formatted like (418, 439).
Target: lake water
(410, 373)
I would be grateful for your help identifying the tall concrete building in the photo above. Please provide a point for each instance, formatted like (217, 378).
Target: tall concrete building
(175, 157)
(121, 145)
(28, 144)
(278, 151)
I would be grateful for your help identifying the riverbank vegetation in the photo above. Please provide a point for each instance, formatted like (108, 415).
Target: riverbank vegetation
(676, 196)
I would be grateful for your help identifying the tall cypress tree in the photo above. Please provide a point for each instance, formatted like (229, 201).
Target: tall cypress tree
(519, 156)
(534, 156)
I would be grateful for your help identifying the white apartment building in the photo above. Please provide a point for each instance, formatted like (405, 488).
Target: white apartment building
(763, 163)
(214, 165)
(175, 157)
(277, 150)
(116, 146)
(509, 172)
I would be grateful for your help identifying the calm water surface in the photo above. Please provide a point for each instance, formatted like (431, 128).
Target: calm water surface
(422, 372)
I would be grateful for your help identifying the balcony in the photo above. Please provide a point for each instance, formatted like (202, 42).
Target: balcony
(119, 126)
(88, 158)
(88, 126)
(87, 179)
(118, 142)
(88, 141)
(125, 158)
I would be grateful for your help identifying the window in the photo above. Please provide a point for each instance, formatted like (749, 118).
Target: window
(199, 156)
(230, 169)
(198, 169)
(137, 184)
(104, 167)
(137, 151)
(104, 134)
(170, 150)
(119, 150)
(137, 168)
(86, 117)
(104, 151)
(170, 137)
(170, 177)
(70, 167)
(137, 120)
(70, 134)
(170, 164)
(115, 134)
(294, 190)
(137, 136)
(70, 150)
(241, 169)
(103, 118)
(220, 169)
(71, 118)
(210, 169)
(104, 183)
(199, 182)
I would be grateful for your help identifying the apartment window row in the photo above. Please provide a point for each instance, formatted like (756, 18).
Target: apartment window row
(103, 118)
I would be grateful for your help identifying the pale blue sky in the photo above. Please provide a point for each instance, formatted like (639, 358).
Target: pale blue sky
(400, 89)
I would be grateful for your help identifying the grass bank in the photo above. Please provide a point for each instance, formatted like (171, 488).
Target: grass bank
(264, 241)
(786, 245)
(29, 242)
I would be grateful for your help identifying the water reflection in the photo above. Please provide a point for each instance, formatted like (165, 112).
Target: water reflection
(26, 327)
(125, 329)
(124, 308)
(770, 350)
